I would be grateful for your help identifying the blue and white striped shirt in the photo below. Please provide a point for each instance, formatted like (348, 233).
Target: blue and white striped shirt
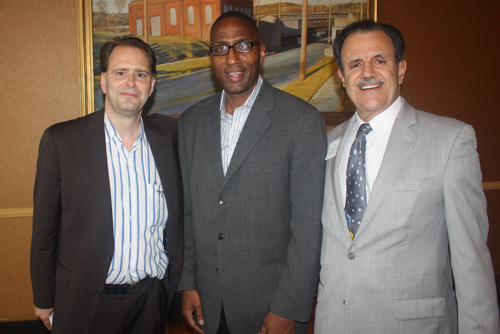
(139, 210)
(232, 125)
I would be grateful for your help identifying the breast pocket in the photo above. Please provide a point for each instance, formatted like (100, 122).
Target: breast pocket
(156, 205)
(412, 185)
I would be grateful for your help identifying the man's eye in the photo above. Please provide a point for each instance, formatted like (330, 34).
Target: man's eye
(141, 75)
(244, 46)
(219, 48)
(120, 73)
(355, 65)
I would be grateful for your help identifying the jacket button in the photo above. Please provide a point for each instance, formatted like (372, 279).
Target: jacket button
(221, 236)
(107, 258)
(351, 256)
(221, 201)
(97, 294)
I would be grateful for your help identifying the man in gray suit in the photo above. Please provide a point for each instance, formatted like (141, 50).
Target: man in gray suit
(404, 215)
(252, 217)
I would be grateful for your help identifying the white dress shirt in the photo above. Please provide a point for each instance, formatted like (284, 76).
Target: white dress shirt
(139, 210)
(232, 125)
(376, 144)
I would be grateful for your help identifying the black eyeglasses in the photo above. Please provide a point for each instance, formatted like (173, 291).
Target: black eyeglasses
(241, 47)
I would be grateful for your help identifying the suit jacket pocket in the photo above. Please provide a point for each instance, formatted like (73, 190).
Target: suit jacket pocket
(62, 275)
(412, 185)
(409, 309)
(272, 272)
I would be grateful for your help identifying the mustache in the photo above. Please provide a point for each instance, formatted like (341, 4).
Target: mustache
(369, 81)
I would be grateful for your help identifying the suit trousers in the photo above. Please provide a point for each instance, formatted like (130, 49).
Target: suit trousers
(223, 329)
(141, 312)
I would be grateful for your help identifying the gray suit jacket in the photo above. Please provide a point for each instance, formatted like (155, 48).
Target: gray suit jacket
(252, 238)
(421, 246)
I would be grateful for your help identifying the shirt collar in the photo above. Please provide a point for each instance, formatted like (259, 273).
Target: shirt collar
(248, 103)
(112, 133)
(383, 122)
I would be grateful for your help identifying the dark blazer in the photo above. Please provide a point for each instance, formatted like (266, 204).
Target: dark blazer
(72, 241)
(252, 238)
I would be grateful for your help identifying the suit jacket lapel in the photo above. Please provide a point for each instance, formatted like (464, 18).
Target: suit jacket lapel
(164, 154)
(161, 149)
(339, 200)
(256, 124)
(212, 137)
(94, 149)
(398, 149)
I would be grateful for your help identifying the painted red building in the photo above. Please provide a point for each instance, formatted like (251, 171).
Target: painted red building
(182, 17)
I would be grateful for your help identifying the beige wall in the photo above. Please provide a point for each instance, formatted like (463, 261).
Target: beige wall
(452, 70)
(41, 86)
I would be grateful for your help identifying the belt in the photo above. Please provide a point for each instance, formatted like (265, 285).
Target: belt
(122, 289)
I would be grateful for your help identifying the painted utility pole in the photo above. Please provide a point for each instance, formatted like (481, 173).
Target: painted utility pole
(279, 23)
(303, 46)
(146, 34)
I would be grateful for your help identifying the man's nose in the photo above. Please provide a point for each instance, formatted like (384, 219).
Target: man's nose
(367, 71)
(131, 80)
(232, 57)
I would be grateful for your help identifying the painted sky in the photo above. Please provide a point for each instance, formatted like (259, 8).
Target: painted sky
(112, 8)
(311, 2)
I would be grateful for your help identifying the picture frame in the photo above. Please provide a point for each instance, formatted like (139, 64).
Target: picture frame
(179, 34)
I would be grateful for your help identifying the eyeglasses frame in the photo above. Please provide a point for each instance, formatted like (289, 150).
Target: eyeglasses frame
(252, 44)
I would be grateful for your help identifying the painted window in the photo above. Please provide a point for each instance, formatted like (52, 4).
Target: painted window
(208, 14)
(191, 15)
(173, 17)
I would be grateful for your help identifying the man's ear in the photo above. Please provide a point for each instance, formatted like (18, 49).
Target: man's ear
(401, 71)
(103, 82)
(341, 75)
(262, 51)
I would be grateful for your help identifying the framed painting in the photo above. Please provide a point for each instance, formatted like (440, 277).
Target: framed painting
(299, 56)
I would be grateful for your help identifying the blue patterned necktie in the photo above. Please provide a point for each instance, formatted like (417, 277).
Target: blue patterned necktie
(355, 204)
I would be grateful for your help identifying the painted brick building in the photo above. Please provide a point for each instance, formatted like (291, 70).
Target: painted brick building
(182, 17)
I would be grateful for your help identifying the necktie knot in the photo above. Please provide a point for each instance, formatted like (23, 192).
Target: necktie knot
(364, 130)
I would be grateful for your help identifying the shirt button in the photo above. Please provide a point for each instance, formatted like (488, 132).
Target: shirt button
(221, 236)
(221, 201)
(351, 256)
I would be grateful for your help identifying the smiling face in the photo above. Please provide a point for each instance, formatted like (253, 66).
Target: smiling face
(372, 76)
(238, 73)
(128, 82)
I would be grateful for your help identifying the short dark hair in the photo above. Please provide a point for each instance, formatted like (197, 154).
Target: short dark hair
(128, 41)
(365, 26)
(234, 13)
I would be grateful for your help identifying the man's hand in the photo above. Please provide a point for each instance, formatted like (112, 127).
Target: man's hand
(275, 324)
(44, 315)
(191, 302)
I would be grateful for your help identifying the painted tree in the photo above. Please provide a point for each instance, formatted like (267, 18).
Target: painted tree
(120, 4)
(102, 7)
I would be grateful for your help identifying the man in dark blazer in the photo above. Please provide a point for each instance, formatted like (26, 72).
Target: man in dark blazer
(104, 252)
(253, 229)
(417, 262)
